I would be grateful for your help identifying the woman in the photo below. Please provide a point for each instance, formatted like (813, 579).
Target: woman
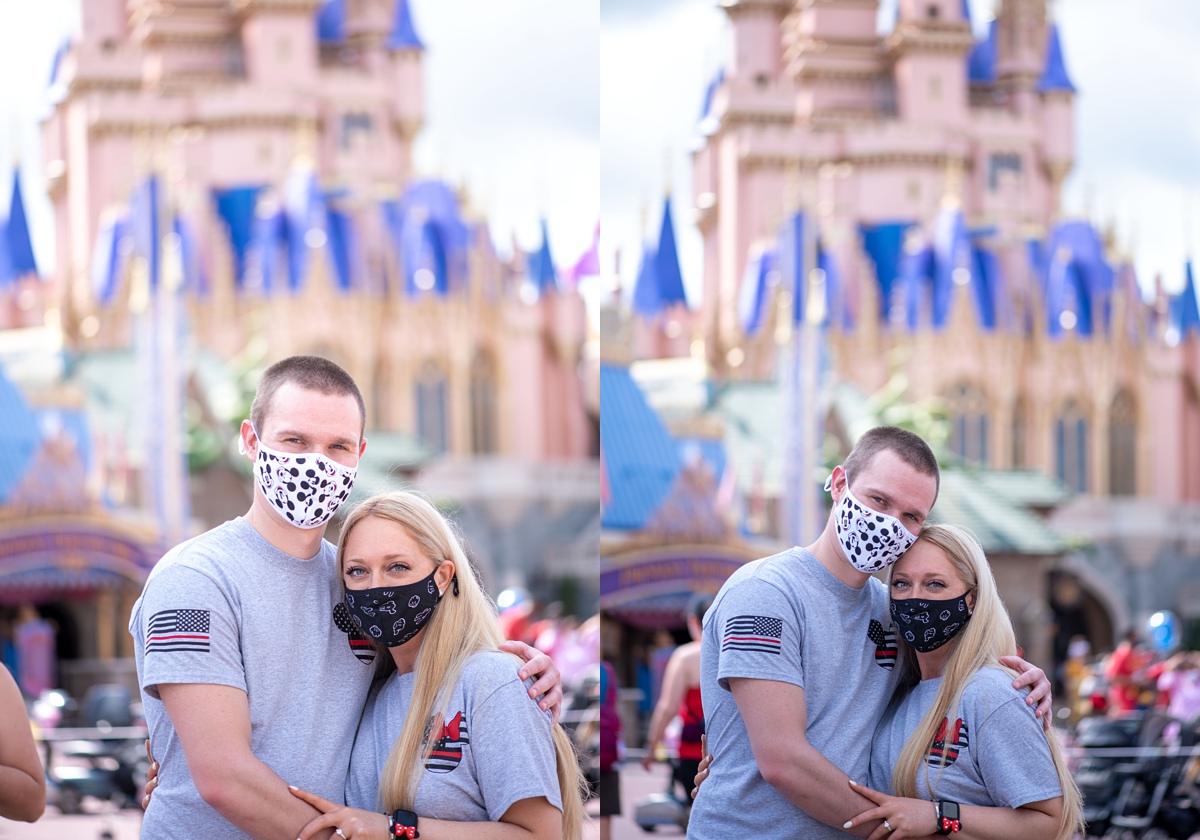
(449, 738)
(977, 761)
(681, 695)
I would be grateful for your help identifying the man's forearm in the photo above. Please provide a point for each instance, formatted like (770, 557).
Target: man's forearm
(813, 784)
(22, 797)
(249, 794)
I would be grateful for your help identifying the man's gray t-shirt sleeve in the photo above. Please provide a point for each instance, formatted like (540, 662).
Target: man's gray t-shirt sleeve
(758, 632)
(513, 747)
(190, 632)
(1014, 757)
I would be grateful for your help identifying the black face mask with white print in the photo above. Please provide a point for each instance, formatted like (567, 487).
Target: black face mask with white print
(391, 615)
(926, 624)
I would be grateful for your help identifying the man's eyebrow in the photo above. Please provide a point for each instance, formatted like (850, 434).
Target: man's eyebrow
(293, 433)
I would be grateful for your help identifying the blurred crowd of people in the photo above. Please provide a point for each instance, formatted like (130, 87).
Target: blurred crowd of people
(1133, 677)
(574, 645)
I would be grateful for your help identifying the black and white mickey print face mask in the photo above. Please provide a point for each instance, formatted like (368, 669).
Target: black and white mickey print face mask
(391, 615)
(306, 488)
(927, 625)
(870, 540)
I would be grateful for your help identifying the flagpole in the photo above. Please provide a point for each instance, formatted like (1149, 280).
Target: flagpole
(801, 369)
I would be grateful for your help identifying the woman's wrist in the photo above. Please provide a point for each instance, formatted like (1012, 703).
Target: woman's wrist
(402, 823)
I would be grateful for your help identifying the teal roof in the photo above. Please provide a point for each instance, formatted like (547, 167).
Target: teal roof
(1028, 488)
(1001, 525)
(389, 457)
(752, 413)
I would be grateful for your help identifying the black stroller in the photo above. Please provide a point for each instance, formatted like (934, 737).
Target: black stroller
(1143, 794)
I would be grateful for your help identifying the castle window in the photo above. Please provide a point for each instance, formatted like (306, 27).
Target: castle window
(1001, 162)
(1122, 446)
(483, 404)
(431, 407)
(356, 130)
(1020, 429)
(968, 423)
(1070, 441)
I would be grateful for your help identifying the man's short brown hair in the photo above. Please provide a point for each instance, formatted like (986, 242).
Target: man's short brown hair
(312, 372)
(911, 448)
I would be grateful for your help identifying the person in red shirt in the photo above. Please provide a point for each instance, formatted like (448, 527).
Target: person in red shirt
(681, 695)
(1123, 674)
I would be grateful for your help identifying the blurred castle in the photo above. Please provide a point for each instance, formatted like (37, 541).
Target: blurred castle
(902, 192)
(232, 183)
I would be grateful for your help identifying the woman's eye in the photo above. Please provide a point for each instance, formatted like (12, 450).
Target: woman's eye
(397, 567)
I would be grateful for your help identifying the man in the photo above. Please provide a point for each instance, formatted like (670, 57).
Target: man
(253, 674)
(798, 655)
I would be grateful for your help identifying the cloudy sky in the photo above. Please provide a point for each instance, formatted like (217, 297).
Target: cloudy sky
(512, 98)
(1135, 63)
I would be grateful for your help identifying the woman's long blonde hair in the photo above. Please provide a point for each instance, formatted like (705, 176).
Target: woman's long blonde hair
(462, 625)
(987, 636)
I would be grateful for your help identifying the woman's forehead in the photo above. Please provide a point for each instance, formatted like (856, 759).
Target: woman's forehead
(923, 558)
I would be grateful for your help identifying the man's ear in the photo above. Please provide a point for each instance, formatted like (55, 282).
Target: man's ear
(247, 437)
(837, 483)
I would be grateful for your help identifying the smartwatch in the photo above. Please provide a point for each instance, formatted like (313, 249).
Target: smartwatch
(947, 817)
(403, 824)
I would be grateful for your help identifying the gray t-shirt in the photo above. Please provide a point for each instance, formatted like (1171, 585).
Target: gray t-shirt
(495, 746)
(228, 608)
(995, 749)
(787, 618)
